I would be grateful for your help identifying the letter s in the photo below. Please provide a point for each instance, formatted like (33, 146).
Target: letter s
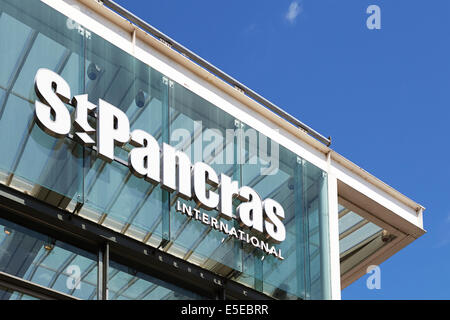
(52, 90)
(274, 214)
(249, 212)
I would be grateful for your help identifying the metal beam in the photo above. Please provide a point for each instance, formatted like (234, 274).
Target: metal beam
(102, 272)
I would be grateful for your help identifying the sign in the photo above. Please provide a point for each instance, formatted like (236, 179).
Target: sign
(163, 165)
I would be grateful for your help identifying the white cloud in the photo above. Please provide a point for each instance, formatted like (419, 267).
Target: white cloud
(294, 10)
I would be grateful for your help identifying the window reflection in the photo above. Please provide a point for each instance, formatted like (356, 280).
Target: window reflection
(29, 43)
(45, 261)
(127, 284)
(9, 294)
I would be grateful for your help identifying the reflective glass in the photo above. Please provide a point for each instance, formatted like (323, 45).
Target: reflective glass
(116, 198)
(65, 174)
(358, 237)
(28, 43)
(127, 284)
(301, 189)
(348, 221)
(17, 34)
(45, 261)
(200, 129)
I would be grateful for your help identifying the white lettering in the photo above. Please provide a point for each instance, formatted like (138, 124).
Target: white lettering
(164, 164)
(52, 116)
(250, 211)
(202, 174)
(113, 128)
(274, 215)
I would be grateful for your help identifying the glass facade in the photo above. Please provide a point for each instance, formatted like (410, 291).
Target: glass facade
(47, 262)
(127, 284)
(64, 174)
(8, 294)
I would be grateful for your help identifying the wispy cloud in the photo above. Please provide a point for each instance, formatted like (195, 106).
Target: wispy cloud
(294, 10)
(250, 28)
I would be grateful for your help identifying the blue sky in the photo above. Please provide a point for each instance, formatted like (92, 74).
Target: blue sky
(382, 95)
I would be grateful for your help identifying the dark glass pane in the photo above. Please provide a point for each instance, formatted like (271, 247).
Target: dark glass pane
(45, 261)
(127, 284)
(10, 294)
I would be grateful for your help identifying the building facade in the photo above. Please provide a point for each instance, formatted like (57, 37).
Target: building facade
(133, 169)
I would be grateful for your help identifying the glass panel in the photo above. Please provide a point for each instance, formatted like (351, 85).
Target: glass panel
(356, 238)
(31, 43)
(275, 172)
(45, 261)
(348, 221)
(116, 198)
(199, 129)
(359, 238)
(44, 53)
(14, 35)
(270, 170)
(127, 284)
(66, 175)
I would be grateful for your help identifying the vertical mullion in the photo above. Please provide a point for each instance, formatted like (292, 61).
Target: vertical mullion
(221, 294)
(102, 272)
(82, 87)
(238, 174)
(324, 237)
(306, 228)
(258, 268)
(165, 134)
(300, 236)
